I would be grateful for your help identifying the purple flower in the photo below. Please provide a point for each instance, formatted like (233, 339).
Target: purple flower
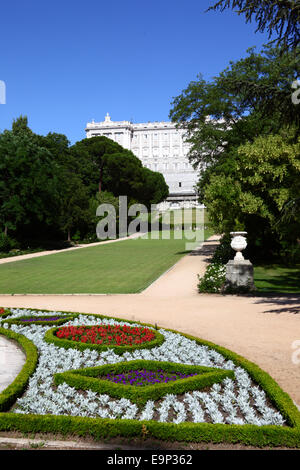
(146, 377)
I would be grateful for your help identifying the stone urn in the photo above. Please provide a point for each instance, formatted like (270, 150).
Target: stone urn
(239, 271)
(238, 244)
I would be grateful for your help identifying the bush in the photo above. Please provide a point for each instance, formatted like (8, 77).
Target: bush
(223, 252)
(7, 243)
(213, 279)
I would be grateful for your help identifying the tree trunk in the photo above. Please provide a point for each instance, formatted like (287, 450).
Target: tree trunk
(5, 230)
(69, 235)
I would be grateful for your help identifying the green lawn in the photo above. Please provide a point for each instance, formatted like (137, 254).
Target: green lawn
(277, 278)
(122, 267)
(188, 216)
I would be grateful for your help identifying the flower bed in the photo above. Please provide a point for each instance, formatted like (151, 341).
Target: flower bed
(40, 319)
(107, 335)
(110, 379)
(43, 319)
(120, 338)
(62, 391)
(145, 377)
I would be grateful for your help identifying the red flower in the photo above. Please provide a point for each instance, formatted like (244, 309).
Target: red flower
(107, 334)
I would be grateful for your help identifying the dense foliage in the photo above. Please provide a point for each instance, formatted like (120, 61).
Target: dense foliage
(49, 190)
(244, 134)
(278, 17)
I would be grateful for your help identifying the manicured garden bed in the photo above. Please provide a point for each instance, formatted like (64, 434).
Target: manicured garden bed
(216, 396)
(107, 335)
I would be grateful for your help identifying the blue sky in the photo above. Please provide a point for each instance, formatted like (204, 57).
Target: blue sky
(66, 62)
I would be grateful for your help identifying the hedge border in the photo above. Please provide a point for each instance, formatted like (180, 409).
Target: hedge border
(66, 343)
(87, 379)
(9, 395)
(260, 436)
(6, 313)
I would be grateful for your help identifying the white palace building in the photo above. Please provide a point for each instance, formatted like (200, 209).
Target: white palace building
(161, 147)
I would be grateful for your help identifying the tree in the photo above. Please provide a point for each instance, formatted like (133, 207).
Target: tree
(270, 175)
(229, 121)
(104, 198)
(74, 203)
(106, 166)
(250, 97)
(279, 17)
(265, 176)
(91, 155)
(28, 181)
(46, 186)
(153, 188)
(20, 126)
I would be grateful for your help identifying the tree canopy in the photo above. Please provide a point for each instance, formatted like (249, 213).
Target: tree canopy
(244, 134)
(105, 165)
(278, 17)
(48, 188)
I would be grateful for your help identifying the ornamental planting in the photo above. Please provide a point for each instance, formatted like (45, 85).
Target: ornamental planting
(108, 335)
(237, 400)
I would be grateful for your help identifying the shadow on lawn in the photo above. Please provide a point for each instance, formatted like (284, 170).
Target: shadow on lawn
(281, 283)
(281, 292)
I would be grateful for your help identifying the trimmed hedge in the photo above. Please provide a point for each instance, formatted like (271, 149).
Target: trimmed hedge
(17, 387)
(4, 314)
(97, 428)
(50, 337)
(87, 379)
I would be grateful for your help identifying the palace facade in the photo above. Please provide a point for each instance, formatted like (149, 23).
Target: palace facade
(161, 147)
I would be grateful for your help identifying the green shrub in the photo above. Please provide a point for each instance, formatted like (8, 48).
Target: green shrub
(90, 379)
(7, 243)
(213, 279)
(223, 252)
(9, 395)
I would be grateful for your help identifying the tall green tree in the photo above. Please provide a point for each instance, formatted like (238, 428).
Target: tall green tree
(28, 180)
(280, 18)
(250, 97)
(106, 166)
(244, 112)
(74, 203)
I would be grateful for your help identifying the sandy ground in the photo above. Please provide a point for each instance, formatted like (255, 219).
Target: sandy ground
(262, 329)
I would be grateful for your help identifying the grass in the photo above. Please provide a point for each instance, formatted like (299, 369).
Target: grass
(278, 279)
(123, 267)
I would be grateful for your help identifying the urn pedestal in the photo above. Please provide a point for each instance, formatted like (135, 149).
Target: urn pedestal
(239, 271)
